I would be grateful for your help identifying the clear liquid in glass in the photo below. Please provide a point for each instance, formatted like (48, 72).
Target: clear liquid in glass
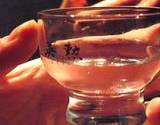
(106, 69)
(105, 80)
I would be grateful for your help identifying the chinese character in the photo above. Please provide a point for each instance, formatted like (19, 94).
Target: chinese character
(68, 49)
(51, 51)
(72, 52)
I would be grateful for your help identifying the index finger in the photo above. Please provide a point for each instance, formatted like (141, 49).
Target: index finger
(108, 3)
(18, 46)
(149, 3)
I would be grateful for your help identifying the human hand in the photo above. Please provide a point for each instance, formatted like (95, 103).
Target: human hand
(28, 94)
(153, 107)
(154, 88)
(108, 3)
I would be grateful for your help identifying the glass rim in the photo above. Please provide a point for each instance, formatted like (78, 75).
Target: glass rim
(49, 12)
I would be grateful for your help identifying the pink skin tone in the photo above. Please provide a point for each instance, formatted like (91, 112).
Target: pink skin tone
(29, 96)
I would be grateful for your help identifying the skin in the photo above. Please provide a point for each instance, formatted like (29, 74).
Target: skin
(73, 3)
(28, 95)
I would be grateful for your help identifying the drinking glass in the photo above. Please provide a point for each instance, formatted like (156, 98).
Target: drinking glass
(105, 57)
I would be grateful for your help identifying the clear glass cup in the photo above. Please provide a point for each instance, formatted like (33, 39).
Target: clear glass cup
(105, 57)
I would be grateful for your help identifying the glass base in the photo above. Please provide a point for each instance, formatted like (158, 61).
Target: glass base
(125, 109)
(75, 119)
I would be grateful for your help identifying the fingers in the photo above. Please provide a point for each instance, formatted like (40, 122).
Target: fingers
(153, 111)
(149, 35)
(27, 70)
(18, 46)
(149, 3)
(30, 93)
(142, 3)
(106, 3)
(40, 86)
(153, 89)
(73, 3)
(34, 72)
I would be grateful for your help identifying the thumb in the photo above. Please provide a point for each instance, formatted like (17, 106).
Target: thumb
(18, 46)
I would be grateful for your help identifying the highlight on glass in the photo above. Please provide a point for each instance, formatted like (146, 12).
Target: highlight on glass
(105, 57)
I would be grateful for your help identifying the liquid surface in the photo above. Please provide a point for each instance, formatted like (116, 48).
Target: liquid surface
(107, 69)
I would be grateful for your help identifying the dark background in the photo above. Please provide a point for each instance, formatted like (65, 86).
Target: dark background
(15, 12)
